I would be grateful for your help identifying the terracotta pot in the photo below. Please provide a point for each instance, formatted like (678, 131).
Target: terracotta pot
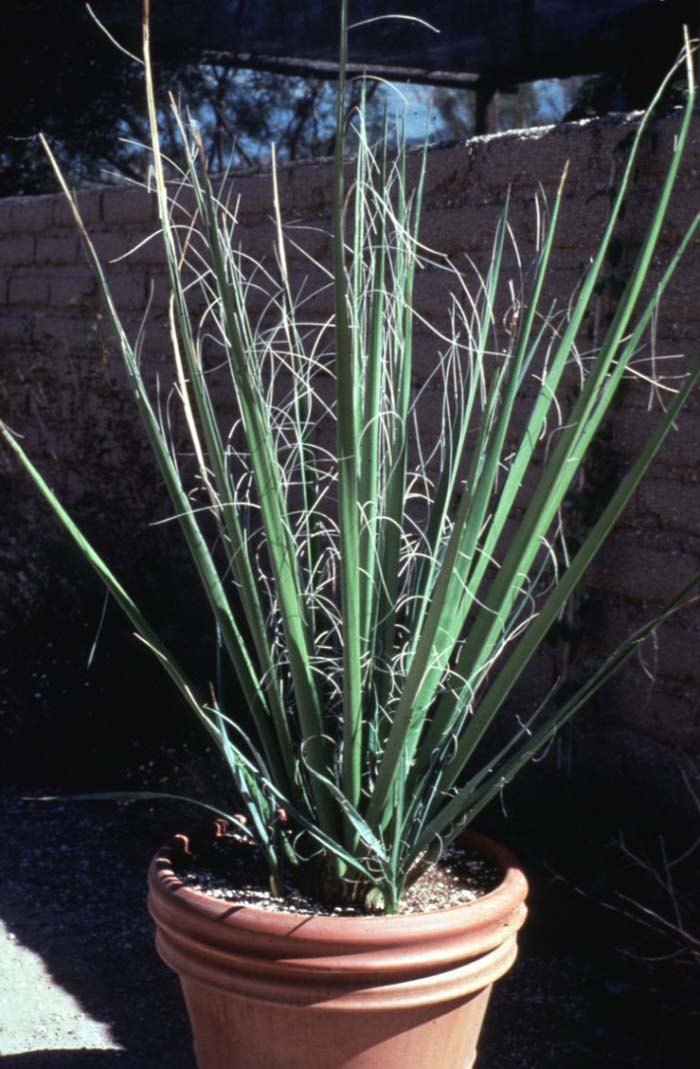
(269, 990)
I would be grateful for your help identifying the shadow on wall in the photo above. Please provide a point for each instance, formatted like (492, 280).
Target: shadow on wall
(81, 700)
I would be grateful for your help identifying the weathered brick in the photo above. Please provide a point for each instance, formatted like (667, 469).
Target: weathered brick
(682, 211)
(63, 332)
(670, 652)
(657, 150)
(57, 250)
(158, 290)
(305, 188)
(640, 574)
(156, 338)
(89, 205)
(16, 251)
(113, 244)
(72, 289)
(146, 249)
(30, 289)
(15, 328)
(681, 449)
(183, 203)
(32, 214)
(451, 176)
(302, 241)
(680, 302)
(454, 231)
(128, 206)
(128, 289)
(675, 506)
(258, 242)
(649, 711)
(426, 357)
(581, 222)
(516, 161)
(310, 286)
(6, 205)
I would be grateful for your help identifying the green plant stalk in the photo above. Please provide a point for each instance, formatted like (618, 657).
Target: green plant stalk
(146, 634)
(397, 460)
(467, 803)
(574, 439)
(198, 548)
(301, 386)
(449, 710)
(493, 699)
(447, 483)
(347, 461)
(490, 622)
(370, 457)
(222, 493)
(429, 656)
(266, 469)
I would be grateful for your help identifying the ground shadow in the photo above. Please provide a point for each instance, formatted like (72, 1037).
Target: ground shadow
(71, 1059)
(72, 889)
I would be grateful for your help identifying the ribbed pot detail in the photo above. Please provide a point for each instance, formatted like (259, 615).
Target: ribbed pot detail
(269, 990)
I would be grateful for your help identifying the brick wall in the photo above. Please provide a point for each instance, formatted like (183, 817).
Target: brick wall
(61, 385)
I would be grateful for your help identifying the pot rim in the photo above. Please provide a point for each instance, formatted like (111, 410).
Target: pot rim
(440, 954)
(489, 909)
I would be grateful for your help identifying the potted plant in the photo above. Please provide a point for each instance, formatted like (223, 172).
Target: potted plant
(369, 590)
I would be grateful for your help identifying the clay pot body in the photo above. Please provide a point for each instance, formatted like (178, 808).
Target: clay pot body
(269, 990)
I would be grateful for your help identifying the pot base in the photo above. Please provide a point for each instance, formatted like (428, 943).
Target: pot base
(245, 1034)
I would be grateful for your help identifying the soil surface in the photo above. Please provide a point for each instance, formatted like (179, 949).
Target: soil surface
(233, 870)
(83, 988)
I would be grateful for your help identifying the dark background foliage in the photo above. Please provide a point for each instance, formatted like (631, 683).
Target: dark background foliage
(250, 72)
